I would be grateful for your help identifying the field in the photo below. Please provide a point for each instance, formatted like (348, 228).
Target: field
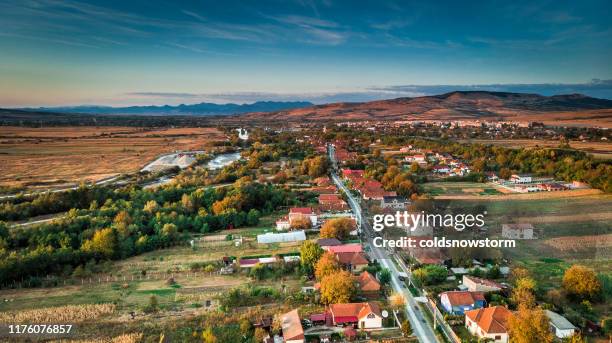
(491, 191)
(53, 156)
(601, 150)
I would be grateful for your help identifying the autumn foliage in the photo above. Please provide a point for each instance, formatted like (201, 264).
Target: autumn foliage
(337, 288)
(339, 228)
(581, 282)
(326, 265)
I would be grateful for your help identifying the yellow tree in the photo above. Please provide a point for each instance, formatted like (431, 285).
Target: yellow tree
(208, 336)
(337, 288)
(339, 228)
(397, 301)
(326, 265)
(103, 242)
(529, 326)
(310, 252)
(582, 282)
(523, 293)
(301, 223)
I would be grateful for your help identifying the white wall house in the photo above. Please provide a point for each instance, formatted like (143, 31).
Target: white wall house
(559, 325)
(520, 178)
(517, 231)
(489, 323)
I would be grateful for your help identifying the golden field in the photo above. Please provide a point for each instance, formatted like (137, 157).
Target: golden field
(56, 156)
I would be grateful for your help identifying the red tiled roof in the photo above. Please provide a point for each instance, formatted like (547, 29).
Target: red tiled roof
(301, 210)
(352, 258)
(368, 283)
(490, 319)
(292, 326)
(352, 312)
(463, 298)
(354, 247)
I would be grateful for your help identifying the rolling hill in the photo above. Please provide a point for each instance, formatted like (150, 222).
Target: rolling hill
(571, 109)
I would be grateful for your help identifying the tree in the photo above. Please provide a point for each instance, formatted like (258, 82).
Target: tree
(581, 282)
(384, 276)
(253, 217)
(575, 338)
(430, 274)
(529, 326)
(406, 328)
(397, 301)
(301, 223)
(339, 228)
(150, 206)
(208, 336)
(337, 288)
(523, 293)
(245, 327)
(103, 242)
(310, 253)
(326, 265)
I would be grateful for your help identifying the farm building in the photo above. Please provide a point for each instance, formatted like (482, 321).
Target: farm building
(294, 236)
(518, 231)
(363, 315)
(559, 325)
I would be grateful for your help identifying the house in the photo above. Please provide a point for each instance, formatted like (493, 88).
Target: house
(352, 261)
(441, 169)
(394, 202)
(283, 224)
(363, 315)
(520, 178)
(343, 248)
(418, 158)
(332, 203)
(292, 327)
(475, 284)
(559, 325)
(368, 283)
(457, 302)
(351, 173)
(517, 231)
(489, 323)
(328, 242)
(301, 212)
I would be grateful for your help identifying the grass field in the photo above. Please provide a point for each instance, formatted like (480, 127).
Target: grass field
(602, 149)
(54, 156)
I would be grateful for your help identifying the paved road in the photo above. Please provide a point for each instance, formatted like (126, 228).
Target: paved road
(419, 325)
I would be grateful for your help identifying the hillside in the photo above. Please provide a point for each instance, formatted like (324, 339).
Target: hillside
(568, 109)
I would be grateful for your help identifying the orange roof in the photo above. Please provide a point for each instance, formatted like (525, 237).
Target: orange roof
(459, 298)
(292, 326)
(353, 258)
(368, 283)
(358, 310)
(353, 247)
(490, 319)
(301, 210)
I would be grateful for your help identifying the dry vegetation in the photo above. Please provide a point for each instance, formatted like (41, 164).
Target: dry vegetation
(598, 149)
(62, 314)
(125, 338)
(577, 243)
(63, 155)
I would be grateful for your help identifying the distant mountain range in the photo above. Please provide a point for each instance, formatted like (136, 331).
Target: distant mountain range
(463, 105)
(200, 109)
(570, 109)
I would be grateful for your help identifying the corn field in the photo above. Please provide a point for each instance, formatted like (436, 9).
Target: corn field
(61, 314)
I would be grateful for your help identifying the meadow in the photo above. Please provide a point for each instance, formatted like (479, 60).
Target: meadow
(59, 156)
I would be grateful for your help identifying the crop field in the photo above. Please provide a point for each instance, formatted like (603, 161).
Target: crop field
(54, 156)
(601, 150)
(460, 188)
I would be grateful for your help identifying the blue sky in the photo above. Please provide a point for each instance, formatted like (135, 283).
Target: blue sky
(64, 52)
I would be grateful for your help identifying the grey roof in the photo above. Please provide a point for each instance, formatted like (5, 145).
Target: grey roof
(559, 321)
(326, 242)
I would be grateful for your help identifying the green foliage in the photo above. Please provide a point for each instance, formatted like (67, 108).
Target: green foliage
(430, 274)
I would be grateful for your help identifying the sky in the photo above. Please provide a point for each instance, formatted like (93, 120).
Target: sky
(117, 53)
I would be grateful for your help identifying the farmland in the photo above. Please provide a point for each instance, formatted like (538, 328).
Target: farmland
(602, 149)
(55, 156)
